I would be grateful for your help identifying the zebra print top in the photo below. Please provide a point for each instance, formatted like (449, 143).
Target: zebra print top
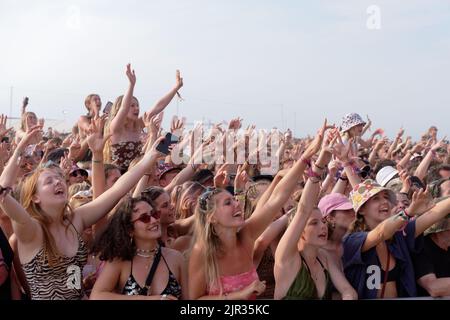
(60, 282)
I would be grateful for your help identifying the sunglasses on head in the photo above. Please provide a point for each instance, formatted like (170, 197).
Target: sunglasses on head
(146, 217)
(206, 196)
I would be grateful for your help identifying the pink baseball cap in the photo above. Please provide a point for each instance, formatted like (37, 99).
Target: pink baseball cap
(334, 201)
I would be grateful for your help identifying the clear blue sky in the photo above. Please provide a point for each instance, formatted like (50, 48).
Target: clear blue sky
(274, 63)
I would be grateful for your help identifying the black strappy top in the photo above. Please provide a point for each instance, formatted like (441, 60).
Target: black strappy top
(392, 275)
(133, 288)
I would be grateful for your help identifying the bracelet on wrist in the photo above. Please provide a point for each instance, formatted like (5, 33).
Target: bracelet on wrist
(314, 179)
(310, 174)
(306, 161)
(97, 161)
(408, 214)
(318, 167)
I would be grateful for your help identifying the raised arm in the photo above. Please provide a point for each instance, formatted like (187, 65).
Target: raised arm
(93, 211)
(422, 169)
(164, 101)
(96, 143)
(267, 237)
(343, 153)
(118, 121)
(25, 228)
(386, 229)
(395, 143)
(287, 247)
(262, 216)
(438, 212)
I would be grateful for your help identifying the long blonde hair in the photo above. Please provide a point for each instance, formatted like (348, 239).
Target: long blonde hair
(28, 190)
(114, 110)
(23, 120)
(205, 233)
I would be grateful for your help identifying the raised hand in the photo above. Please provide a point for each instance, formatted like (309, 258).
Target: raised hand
(404, 178)
(241, 177)
(342, 151)
(3, 130)
(419, 147)
(421, 202)
(221, 179)
(439, 144)
(131, 75)
(329, 141)
(235, 124)
(179, 80)
(176, 126)
(379, 131)
(74, 148)
(153, 151)
(315, 145)
(31, 134)
(65, 164)
(95, 139)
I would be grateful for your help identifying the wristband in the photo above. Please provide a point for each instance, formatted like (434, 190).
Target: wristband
(318, 167)
(306, 161)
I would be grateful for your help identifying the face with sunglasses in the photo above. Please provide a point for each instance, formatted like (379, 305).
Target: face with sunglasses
(145, 221)
(77, 176)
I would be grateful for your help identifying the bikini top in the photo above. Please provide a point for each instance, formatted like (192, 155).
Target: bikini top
(132, 287)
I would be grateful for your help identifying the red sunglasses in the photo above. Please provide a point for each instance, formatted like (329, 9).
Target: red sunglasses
(145, 217)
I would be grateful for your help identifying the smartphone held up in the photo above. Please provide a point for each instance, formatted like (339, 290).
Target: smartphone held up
(164, 145)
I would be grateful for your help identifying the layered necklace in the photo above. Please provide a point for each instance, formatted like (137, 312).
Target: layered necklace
(146, 253)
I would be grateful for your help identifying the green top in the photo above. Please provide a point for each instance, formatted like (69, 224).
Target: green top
(303, 286)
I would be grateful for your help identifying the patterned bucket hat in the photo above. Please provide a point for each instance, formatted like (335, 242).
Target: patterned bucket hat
(351, 120)
(441, 225)
(366, 190)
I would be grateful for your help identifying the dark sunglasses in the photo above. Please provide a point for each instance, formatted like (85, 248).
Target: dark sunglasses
(145, 217)
(78, 173)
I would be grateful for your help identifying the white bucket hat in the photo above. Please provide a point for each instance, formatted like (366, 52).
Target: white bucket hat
(385, 175)
(351, 120)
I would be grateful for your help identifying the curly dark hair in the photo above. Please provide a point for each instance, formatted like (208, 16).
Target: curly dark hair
(115, 241)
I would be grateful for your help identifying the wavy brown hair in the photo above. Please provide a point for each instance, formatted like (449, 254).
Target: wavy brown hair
(116, 241)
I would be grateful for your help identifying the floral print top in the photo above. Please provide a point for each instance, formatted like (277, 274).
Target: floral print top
(124, 152)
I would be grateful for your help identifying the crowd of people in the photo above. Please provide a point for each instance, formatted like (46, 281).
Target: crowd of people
(107, 212)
